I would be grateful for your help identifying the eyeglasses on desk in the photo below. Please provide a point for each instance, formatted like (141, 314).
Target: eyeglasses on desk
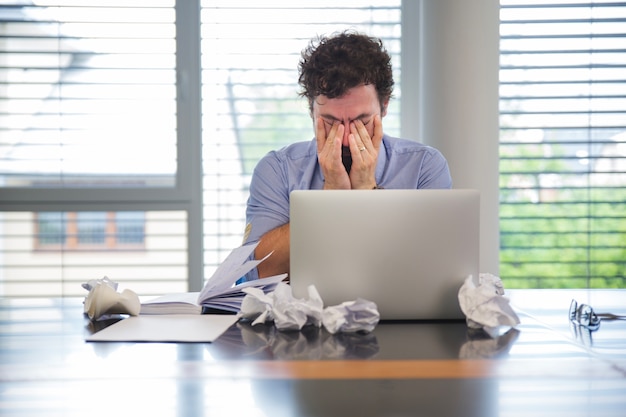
(584, 315)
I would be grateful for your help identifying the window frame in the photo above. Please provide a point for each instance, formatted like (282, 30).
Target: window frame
(176, 197)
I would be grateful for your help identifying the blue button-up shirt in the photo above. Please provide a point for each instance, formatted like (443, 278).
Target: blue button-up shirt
(402, 164)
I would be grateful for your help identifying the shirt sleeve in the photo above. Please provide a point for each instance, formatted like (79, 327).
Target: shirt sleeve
(435, 172)
(268, 202)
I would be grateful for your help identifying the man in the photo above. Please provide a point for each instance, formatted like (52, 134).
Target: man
(348, 81)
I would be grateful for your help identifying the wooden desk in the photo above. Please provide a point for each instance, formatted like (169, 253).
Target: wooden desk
(543, 368)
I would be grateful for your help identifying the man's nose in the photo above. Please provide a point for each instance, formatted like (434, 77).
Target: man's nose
(346, 133)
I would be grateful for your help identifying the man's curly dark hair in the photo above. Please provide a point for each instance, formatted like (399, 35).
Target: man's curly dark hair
(332, 65)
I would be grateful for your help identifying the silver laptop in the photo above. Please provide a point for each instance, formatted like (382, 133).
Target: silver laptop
(409, 251)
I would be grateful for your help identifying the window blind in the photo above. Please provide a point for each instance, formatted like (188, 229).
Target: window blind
(88, 104)
(563, 143)
(85, 88)
(52, 253)
(90, 101)
(250, 55)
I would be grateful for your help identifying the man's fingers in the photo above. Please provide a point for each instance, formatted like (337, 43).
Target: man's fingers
(378, 132)
(320, 134)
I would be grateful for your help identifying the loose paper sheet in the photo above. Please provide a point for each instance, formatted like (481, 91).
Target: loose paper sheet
(230, 270)
(203, 328)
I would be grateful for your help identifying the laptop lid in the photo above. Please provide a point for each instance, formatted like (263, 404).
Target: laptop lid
(409, 251)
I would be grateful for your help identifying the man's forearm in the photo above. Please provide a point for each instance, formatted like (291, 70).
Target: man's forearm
(276, 240)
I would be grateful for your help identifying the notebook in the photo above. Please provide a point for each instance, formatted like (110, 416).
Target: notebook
(409, 251)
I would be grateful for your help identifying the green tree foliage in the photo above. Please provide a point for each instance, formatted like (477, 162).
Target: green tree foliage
(560, 235)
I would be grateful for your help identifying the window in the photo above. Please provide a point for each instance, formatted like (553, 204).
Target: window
(250, 103)
(90, 230)
(89, 122)
(563, 144)
(129, 130)
(129, 228)
(52, 253)
(104, 153)
(83, 85)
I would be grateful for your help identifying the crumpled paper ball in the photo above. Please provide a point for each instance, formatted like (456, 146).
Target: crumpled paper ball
(290, 313)
(103, 300)
(485, 305)
(351, 316)
(281, 307)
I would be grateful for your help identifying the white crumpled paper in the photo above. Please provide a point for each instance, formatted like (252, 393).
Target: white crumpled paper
(351, 316)
(485, 305)
(280, 306)
(290, 313)
(104, 301)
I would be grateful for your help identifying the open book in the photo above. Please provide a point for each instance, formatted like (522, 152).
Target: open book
(220, 292)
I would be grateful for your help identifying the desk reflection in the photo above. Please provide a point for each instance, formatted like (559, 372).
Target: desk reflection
(264, 341)
(373, 397)
(397, 341)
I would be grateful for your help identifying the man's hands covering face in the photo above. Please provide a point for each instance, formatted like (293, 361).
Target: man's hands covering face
(363, 148)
